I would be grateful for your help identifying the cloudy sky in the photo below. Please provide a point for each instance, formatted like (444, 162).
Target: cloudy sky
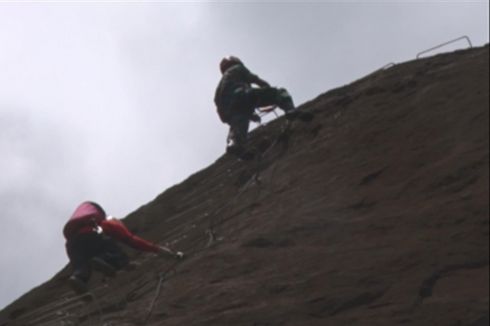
(112, 101)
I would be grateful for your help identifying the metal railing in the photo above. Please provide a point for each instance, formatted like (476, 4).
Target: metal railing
(385, 67)
(392, 64)
(464, 37)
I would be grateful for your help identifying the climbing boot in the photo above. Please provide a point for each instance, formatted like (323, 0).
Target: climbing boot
(104, 267)
(77, 284)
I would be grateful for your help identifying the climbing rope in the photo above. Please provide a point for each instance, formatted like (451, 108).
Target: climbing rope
(158, 290)
(210, 231)
(38, 317)
(266, 110)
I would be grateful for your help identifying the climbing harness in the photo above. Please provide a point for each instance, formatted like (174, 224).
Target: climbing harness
(266, 110)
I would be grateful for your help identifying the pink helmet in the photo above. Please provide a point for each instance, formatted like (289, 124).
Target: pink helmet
(228, 62)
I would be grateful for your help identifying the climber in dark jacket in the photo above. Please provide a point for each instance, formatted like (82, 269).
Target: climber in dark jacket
(236, 99)
(91, 242)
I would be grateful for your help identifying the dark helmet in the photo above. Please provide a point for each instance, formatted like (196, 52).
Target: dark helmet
(228, 62)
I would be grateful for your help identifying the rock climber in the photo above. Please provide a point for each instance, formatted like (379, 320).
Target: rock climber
(91, 242)
(236, 99)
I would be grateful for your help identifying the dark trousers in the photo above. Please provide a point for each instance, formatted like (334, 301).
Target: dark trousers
(84, 247)
(244, 103)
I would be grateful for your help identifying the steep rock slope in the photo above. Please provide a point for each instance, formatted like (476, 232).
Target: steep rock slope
(375, 213)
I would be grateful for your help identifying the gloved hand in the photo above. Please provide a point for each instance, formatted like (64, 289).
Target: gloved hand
(166, 252)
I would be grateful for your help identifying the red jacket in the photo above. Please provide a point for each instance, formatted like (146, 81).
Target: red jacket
(89, 216)
(117, 230)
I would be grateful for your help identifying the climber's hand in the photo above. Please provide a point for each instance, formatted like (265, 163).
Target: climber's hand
(167, 252)
(179, 255)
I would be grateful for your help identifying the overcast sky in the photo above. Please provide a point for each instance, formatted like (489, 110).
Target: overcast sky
(113, 101)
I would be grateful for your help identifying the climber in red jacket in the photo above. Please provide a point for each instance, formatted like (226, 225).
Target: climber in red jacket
(91, 241)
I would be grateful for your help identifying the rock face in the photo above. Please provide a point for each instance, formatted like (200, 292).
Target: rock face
(374, 213)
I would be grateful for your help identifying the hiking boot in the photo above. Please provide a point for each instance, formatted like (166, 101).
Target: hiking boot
(301, 115)
(241, 153)
(77, 284)
(235, 149)
(291, 114)
(305, 116)
(247, 155)
(131, 266)
(104, 267)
